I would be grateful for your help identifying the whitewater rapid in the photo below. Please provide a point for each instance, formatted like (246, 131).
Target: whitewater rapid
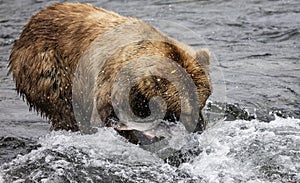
(230, 151)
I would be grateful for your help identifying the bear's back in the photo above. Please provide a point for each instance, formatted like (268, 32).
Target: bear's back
(46, 55)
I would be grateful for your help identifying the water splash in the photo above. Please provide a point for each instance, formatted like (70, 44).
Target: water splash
(235, 151)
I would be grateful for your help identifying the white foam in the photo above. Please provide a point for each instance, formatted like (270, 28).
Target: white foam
(1, 178)
(233, 151)
(105, 142)
(239, 150)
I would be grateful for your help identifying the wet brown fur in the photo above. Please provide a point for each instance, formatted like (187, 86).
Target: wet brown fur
(149, 87)
(46, 55)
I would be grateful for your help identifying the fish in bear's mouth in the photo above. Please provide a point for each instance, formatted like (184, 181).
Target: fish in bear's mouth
(137, 133)
(139, 137)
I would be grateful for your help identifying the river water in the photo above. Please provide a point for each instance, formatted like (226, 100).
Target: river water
(254, 112)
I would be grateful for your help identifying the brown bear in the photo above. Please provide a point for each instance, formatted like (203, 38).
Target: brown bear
(69, 58)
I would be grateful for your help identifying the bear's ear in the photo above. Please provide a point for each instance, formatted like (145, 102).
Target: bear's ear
(203, 57)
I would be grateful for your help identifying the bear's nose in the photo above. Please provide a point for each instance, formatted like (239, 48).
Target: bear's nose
(201, 124)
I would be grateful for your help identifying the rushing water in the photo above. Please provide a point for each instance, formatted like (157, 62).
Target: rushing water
(256, 45)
